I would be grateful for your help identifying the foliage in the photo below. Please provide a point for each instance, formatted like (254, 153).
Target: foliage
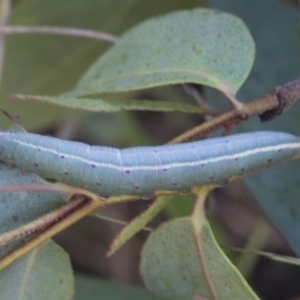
(181, 259)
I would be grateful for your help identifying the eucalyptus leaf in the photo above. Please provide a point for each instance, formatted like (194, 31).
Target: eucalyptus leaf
(171, 265)
(23, 206)
(277, 62)
(44, 273)
(138, 223)
(51, 64)
(201, 46)
(105, 105)
(92, 288)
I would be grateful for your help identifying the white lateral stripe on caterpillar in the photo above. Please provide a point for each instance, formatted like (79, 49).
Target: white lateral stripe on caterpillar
(244, 154)
(144, 170)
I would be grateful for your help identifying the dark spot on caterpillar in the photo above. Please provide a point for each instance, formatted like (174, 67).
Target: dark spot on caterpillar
(175, 183)
(62, 156)
(211, 177)
(67, 173)
(36, 164)
(98, 183)
(92, 165)
(279, 150)
(39, 149)
(127, 171)
(136, 187)
(236, 159)
(165, 170)
(202, 165)
(270, 160)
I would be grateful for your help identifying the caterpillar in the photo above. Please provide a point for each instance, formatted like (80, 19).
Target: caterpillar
(145, 170)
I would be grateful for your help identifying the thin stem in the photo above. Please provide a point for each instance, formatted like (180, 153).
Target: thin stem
(258, 239)
(116, 221)
(97, 35)
(267, 108)
(41, 224)
(72, 214)
(5, 14)
(198, 219)
(48, 226)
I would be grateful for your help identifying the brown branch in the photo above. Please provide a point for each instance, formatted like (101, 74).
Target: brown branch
(47, 226)
(71, 213)
(286, 96)
(267, 108)
(43, 223)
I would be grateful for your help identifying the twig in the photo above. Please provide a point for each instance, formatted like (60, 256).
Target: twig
(42, 223)
(72, 213)
(97, 35)
(116, 221)
(267, 108)
(47, 226)
(286, 96)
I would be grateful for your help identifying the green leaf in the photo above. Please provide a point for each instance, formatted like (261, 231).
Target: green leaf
(180, 206)
(171, 265)
(51, 64)
(201, 46)
(21, 207)
(93, 288)
(276, 190)
(138, 223)
(115, 105)
(45, 273)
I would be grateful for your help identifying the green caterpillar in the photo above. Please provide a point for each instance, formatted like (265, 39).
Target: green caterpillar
(145, 170)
